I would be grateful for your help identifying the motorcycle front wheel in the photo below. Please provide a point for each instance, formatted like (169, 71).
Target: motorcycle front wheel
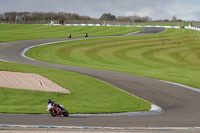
(65, 114)
(53, 113)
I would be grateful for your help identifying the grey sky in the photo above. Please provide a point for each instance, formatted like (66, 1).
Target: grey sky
(156, 9)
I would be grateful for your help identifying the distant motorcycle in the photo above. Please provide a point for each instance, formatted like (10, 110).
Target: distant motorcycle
(55, 110)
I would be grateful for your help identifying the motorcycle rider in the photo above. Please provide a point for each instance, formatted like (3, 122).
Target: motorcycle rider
(55, 104)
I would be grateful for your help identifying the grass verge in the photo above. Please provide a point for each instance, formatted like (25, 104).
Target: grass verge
(173, 55)
(88, 95)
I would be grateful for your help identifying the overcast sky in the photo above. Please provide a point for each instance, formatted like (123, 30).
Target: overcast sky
(155, 9)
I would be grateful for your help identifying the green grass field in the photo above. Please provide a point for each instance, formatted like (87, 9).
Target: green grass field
(173, 55)
(88, 95)
(16, 32)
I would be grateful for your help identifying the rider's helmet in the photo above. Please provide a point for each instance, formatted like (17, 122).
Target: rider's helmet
(49, 101)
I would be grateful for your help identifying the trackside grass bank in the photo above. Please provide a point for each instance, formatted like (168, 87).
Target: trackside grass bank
(16, 32)
(173, 55)
(88, 95)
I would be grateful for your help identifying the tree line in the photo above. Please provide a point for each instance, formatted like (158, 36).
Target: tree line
(41, 16)
(62, 16)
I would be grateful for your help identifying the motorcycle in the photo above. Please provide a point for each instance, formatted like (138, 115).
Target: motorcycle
(55, 110)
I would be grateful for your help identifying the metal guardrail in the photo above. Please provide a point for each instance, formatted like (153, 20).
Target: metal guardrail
(195, 24)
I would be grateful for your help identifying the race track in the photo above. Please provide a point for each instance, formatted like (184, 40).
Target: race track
(181, 106)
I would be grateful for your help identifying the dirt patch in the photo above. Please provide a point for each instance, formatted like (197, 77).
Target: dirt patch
(29, 81)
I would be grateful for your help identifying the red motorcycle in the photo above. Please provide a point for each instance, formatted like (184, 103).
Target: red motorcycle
(55, 110)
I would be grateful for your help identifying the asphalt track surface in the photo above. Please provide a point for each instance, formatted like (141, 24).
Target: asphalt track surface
(181, 106)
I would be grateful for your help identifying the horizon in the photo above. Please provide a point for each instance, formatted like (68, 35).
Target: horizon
(156, 9)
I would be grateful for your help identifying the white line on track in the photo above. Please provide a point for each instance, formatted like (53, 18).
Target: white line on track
(4, 60)
(184, 86)
(110, 128)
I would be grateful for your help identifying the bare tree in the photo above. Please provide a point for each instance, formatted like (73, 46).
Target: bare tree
(174, 19)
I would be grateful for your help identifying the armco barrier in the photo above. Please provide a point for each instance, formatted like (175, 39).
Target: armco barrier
(192, 28)
(159, 26)
(186, 27)
(116, 25)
